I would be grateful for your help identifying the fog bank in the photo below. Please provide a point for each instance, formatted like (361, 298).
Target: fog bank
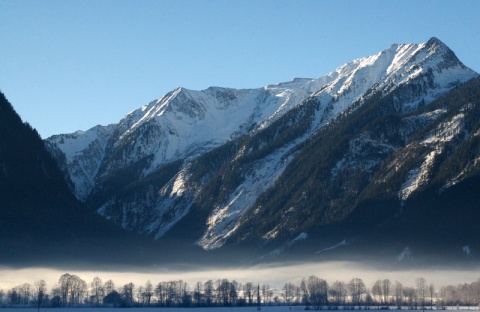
(272, 275)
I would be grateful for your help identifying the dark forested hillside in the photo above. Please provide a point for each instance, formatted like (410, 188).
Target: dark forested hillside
(40, 220)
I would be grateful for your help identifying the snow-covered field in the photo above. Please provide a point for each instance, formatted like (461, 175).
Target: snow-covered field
(218, 309)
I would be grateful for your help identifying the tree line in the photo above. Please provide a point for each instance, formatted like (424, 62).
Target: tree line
(315, 292)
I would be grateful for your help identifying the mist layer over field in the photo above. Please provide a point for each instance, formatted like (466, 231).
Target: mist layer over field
(273, 275)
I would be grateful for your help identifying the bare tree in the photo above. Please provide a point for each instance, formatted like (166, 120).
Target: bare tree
(288, 292)
(410, 296)
(377, 292)
(386, 285)
(431, 290)
(476, 291)
(421, 284)
(197, 293)
(40, 291)
(26, 292)
(161, 293)
(72, 289)
(248, 292)
(148, 292)
(223, 290)
(64, 287)
(304, 291)
(465, 294)
(127, 293)
(338, 292)
(264, 293)
(185, 294)
(108, 287)
(317, 290)
(141, 296)
(267, 294)
(97, 291)
(398, 291)
(208, 289)
(357, 289)
(233, 292)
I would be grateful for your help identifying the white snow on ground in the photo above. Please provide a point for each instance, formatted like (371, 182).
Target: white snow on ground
(163, 309)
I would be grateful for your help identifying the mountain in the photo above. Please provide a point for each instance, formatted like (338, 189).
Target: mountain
(296, 163)
(41, 221)
(381, 180)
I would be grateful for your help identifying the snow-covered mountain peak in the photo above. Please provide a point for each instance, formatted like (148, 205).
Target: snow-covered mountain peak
(351, 81)
(435, 43)
(397, 65)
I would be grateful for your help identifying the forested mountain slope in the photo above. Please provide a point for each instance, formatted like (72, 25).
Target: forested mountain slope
(40, 219)
(382, 179)
(312, 162)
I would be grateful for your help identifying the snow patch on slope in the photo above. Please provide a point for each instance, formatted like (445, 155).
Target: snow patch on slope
(436, 140)
(404, 255)
(417, 177)
(342, 243)
(84, 152)
(225, 219)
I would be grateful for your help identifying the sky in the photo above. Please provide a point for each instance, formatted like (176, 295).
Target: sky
(68, 65)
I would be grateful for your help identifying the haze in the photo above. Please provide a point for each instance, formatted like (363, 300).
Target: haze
(273, 275)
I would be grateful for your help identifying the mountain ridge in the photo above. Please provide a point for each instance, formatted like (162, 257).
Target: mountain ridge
(208, 157)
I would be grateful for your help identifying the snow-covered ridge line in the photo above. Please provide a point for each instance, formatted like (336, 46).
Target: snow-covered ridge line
(184, 124)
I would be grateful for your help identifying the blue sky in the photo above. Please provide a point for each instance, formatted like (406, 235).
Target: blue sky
(69, 65)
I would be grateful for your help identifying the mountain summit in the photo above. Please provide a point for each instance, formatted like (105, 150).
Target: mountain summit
(225, 165)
